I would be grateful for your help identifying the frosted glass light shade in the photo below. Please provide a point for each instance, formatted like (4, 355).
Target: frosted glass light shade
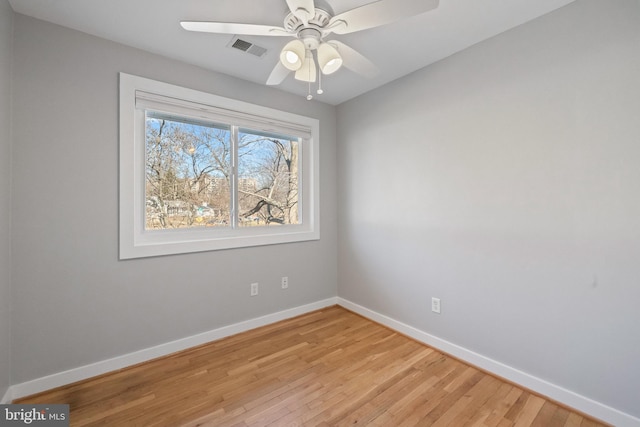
(307, 73)
(329, 59)
(292, 55)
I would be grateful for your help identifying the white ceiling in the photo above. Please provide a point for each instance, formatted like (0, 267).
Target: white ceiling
(397, 49)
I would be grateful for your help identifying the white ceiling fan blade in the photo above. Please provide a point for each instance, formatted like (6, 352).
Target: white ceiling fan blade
(378, 13)
(234, 28)
(278, 75)
(305, 10)
(354, 60)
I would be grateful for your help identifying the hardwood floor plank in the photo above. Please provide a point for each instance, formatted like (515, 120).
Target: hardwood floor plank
(573, 420)
(545, 415)
(529, 411)
(456, 399)
(326, 368)
(480, 395)
(430, 404)
(483, 412)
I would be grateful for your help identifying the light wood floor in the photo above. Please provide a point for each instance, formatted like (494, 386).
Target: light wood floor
(329, 368)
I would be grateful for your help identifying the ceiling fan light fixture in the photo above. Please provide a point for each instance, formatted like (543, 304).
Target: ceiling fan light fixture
(292, 55)
(292, 58)
(329, 59)
(307, 73)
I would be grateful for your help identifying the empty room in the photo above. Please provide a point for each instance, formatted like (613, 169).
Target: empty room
(320, 212)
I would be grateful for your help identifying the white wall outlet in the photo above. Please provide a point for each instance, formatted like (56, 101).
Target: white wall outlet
(254, 289)
(435, 305)
(285, 282)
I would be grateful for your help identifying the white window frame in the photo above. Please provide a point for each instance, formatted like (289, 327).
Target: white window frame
(135, 241)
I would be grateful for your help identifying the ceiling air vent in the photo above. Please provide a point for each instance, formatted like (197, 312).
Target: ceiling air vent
(246, 46)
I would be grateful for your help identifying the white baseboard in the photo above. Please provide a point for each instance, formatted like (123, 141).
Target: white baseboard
(77, 374)
(545, 388)
(7, 398)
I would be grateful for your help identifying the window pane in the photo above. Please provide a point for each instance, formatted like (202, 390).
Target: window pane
(268, 178)
(187, 173)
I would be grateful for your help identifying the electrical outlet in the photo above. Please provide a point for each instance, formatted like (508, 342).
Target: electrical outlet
(435, 305)
(285, 282)
(254, 289)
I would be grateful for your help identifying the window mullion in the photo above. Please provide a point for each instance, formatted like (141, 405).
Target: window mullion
(234, 177)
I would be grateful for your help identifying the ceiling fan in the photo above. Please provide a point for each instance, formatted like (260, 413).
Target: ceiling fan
(310, 22)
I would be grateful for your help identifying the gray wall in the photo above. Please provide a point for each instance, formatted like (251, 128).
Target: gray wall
(74, 302)
(6, 22)
(505, 180)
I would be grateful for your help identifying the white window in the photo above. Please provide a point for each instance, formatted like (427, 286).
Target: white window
(200, 172)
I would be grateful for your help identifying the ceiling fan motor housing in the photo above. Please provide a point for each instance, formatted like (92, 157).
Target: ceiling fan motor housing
(310, 37)
(294, 24)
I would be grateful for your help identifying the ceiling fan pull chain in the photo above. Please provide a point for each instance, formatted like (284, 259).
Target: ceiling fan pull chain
(320, 91)
(309, 58)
